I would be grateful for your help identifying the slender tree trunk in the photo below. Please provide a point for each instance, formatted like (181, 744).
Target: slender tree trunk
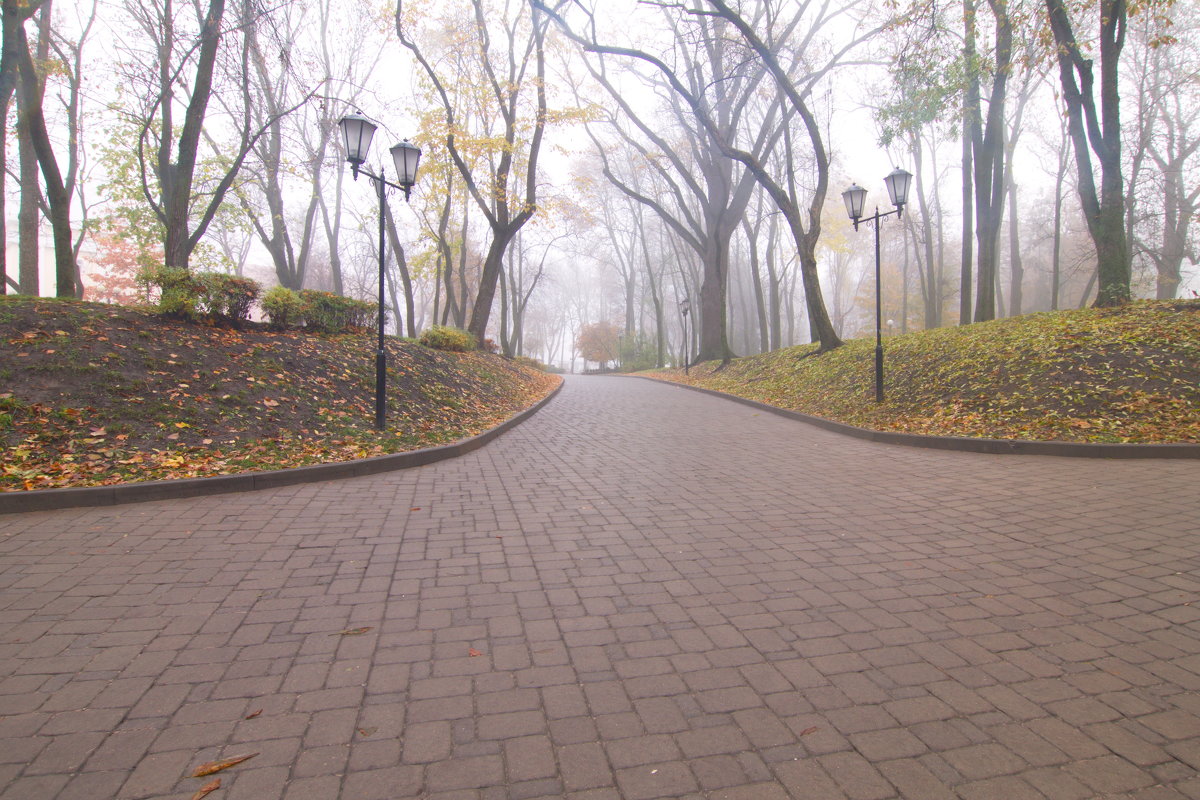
(970, 113)
(57, 193)
(505, 341)
(764, 329)
(931, 292)
(773, 288)
(15, 15)
(398, 253)
(29, 213)
(1015, 265)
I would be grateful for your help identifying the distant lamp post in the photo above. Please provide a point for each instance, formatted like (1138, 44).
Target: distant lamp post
(357, 132)
(685, 306)
(856, 197)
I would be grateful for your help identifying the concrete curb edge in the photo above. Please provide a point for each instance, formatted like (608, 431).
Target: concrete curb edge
(964, 444)
(119, 494)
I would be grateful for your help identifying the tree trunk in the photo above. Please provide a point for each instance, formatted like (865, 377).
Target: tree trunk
(15, 15)
(405, 278)
(488, 280)
(1097, 132)
(175, 177)
(988, 144)
(505, 341)
(29, 212)
(714, 340)
(57, 194)
(970, 113)
(931, 293)
(1015, 265)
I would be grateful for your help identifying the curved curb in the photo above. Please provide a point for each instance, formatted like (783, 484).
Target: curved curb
(965, 444)
(56, 499)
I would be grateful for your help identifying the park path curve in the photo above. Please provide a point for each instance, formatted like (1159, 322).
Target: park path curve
(642, 592)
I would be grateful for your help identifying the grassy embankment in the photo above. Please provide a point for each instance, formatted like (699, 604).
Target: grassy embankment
(94, 394)
(1128, 374)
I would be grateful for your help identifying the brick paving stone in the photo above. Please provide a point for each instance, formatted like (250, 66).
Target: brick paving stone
(653, 579)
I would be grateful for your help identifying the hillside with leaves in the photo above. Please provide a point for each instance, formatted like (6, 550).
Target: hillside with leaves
(94, 394)
(1127, 374)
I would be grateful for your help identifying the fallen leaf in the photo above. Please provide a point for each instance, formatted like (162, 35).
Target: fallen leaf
(807, 731)
(253, 714)
(352, 631)
(207, 789)
(367, 731)
(209, 767)
(472, 652)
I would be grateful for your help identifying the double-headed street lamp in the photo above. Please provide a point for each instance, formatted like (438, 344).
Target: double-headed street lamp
(856, 197)
(357, 131)
(685, 306)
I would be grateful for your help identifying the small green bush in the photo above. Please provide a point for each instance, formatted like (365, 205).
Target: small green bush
(526, 361)
(179, 292)
(441, 337)
(175, 290)
(224, 296)
(282, 306)
(332, 313)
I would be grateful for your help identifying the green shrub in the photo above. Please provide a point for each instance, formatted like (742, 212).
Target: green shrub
(441, 337)
(226, 296)
(332, 313)
(282, 306)
(526, 361)
(179, 292)
(174, 290)
(637, 353)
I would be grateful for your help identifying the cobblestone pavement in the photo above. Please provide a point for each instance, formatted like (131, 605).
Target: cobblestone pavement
(642, 592)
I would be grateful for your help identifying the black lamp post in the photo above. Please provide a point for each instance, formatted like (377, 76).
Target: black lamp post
(685, 306)
(856, 197)
(357, 131)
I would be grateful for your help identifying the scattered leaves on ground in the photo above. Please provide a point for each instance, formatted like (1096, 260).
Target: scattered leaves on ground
(1128, 374)
(129, 395)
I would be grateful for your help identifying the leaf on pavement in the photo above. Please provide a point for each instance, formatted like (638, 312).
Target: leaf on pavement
(207, 789)
(209, 767)
(352, 631)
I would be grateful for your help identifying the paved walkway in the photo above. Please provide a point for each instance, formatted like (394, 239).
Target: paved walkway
(642, 592)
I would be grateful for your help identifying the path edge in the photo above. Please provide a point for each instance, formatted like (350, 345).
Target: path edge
(963, 444)
(120, 494)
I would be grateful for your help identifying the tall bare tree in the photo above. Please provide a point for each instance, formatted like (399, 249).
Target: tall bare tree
(59, 187)
(503, 77)
(193, 48)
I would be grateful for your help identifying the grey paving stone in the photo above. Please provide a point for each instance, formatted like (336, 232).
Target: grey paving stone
(641, 592)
